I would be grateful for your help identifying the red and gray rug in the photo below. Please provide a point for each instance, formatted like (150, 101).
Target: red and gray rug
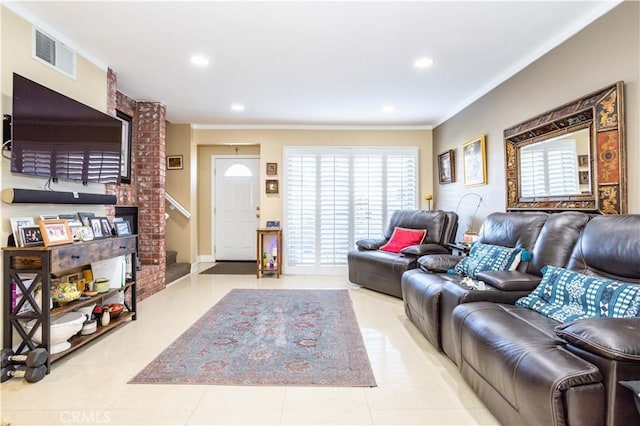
(269, 337)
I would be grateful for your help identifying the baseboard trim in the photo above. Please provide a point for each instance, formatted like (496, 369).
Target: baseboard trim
(206, 258)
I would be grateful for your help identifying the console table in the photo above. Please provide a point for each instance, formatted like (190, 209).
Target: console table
(273, 263)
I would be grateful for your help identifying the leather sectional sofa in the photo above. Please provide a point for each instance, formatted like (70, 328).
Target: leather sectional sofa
(382, 271)
(526, 367)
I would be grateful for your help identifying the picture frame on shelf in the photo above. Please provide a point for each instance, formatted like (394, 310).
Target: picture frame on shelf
(271, 186)
(127, 136)
(31, 236)
(122, 228)
(446, 167)
(16, 224)
(68, 216)
(49, 216)
(106, 227)
(96, 227)
(55, 232)
(474, 162)
(85, 218)
(74, 226)
(85, 233)
(174, 162)
(272, 169)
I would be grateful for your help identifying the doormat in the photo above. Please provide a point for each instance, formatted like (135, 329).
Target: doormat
(232, 268)
(269, 337)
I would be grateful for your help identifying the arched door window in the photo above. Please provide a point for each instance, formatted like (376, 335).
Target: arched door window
(238, 170)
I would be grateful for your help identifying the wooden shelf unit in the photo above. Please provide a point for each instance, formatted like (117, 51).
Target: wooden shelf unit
(38, 264)
(260, 234)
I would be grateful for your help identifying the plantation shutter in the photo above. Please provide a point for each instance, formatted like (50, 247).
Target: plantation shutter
(549, 169)
(336, 196)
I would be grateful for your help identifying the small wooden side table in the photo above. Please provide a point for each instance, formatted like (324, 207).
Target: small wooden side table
(273, 263)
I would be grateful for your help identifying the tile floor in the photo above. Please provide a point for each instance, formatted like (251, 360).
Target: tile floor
(416, 384)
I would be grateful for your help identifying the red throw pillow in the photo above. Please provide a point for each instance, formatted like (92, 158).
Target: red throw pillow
(402, 238)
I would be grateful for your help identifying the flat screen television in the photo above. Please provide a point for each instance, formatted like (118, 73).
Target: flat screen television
(56, 137)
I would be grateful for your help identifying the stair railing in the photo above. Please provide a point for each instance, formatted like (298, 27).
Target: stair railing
(175, 205)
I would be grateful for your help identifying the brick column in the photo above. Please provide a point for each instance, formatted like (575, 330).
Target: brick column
(150, 177)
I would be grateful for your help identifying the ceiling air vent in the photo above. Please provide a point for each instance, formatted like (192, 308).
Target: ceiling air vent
(53, 52)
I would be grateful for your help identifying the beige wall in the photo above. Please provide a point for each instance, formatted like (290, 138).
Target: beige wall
(180, 230)
(89, 87)
(269, 144)
(605, 52)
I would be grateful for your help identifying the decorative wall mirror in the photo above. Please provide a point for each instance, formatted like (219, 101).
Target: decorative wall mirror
(570, 158)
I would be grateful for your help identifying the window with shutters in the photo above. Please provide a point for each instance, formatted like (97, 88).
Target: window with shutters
(336, 196)
(549, 168)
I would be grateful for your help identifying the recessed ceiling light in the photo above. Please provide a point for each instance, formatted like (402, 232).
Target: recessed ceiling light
(423, 63)
(199, 60)
(389, 108)
(237, 107)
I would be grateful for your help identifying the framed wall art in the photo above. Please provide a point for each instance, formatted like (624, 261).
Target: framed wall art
(174, 162)
(474, 162)
(55, 231)
(272, 169)
(272, 186)
(446, 167)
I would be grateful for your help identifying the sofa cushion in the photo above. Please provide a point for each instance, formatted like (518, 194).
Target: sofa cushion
(565, 296)
(402, 238)
(488, 257)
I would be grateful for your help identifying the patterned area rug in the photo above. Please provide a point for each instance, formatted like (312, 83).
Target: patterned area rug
(232, 268)
(269, 337)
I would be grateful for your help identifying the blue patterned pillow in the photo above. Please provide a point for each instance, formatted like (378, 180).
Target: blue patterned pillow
(487, 257)
(566, 296)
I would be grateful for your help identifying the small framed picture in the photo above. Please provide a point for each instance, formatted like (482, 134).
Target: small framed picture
(174, 162)
(583, 160)
(446, 167)
(272, 169)
(49, 216)
(68, 216)
(85, 233)
(122, 229)
(272, 186)
(31, 236)
(16, 224)
(583, 178)
(474, 162)
(55, 231)
(96, 227)
(106, 227)
(74, 226)
(85, 218)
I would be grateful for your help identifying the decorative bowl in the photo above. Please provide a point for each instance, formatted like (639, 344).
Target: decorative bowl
(64, 292)
(115, 309)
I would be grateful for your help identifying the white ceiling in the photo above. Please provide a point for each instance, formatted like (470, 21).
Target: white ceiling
(312, 63)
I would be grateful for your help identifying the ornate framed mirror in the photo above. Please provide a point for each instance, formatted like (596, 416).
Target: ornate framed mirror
(570, 158)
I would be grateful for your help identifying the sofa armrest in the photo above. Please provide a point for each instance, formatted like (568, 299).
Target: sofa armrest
(424, 249)
(611, 338)
(438, 262)
(509, 280)
(370, 243)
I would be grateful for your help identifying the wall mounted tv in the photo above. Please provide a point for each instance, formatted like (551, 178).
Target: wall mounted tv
(54, 136)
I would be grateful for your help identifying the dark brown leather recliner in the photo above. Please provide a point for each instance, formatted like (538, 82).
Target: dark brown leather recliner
(530, 369)
(382, 271)
(422, 289)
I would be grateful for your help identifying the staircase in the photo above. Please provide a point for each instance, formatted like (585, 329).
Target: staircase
(175, 270)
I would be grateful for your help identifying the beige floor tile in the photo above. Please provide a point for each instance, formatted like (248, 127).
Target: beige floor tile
(416, 383)
(418, 417)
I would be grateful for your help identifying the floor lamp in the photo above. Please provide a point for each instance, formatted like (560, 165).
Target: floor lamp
(469, 234)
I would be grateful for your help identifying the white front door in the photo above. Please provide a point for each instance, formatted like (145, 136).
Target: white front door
(236, 210)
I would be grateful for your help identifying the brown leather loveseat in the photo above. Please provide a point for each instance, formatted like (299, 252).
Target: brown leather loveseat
(382, 271)
(527, 367)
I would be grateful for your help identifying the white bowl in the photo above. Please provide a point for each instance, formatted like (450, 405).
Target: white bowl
(62, 328)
